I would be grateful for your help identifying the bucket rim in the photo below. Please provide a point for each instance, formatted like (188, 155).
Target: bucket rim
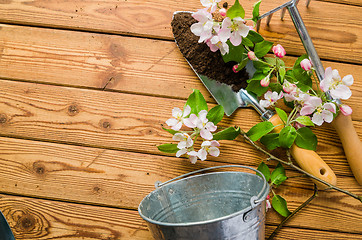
(263, 196)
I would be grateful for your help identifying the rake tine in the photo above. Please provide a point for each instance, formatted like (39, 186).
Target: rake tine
(283, 14)
(269, 19)
(307, 3)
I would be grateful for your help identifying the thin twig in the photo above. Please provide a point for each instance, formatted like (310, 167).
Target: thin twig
(315, 194)
(271, 156)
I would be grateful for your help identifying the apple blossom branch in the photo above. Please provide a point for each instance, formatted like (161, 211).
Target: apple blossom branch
(289, 163)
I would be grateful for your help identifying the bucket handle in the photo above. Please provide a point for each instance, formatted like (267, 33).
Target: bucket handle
(254, 200)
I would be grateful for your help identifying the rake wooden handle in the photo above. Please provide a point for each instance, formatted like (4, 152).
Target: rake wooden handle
(351, 144)
(308, 160)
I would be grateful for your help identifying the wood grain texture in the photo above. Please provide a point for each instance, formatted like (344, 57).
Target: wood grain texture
(119, 121)
(149, 67)
(42, 219)
(152, 18)
(122, 179)
(348, 2)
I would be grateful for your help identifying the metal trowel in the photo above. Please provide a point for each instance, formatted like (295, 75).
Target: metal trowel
(5, 231)
(224, 95)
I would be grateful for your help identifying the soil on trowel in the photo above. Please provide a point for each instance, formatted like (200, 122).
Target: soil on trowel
(202, 59)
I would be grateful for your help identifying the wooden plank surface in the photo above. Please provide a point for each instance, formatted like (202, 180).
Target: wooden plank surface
(113, 62)
(152, 18)
(117, 120)
(122, 179)
(44, 219)
(85, 89)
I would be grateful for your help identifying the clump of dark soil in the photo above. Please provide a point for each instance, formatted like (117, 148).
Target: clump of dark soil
(199, 55)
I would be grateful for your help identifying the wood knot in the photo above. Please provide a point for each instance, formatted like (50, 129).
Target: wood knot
(39, 168)
(73, 110)
(3, 118)
(105, 124)
(27, 222)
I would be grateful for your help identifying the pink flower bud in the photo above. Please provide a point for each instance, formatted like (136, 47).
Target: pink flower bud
(267, 197)
(345, 109)
(279, 51)
(306, 64)
(222, 12)
(289, 87)
(265, 81)
(235, 67)
(251, 56)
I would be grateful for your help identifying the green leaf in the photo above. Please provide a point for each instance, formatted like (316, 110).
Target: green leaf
(242, 64)
(306, 139)
(247, 42)
(276, 87)
(197, 102)
(215, 114)
(168, 148)
(264, 169)
(254, 37)
(236, 10)
(173, 132)
(256, 11)
(278, 175)
(280, 205)
(236, 53)
(260, 130)
(271, 60)
(262, 48)
(261, 67)
(282, 73)
(282, 114)
(229, 133)
(287, 136)
(271, 141)
(305, 120)
(255, 87)
(258, 75)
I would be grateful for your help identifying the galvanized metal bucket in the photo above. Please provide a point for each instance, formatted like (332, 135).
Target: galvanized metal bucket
(218, 205)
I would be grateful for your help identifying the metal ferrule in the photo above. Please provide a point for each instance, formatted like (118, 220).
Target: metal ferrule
(250, 99)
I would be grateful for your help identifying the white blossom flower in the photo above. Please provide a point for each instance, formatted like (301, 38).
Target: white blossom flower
(210, 4)
(184, 139)
(321, 113)
(338, 88)
(203, 28)
(217, 43)
(234, 29)
(289, 87)
(178, 117)
(206, 127)
(209, 147)
(270, 99)
(192, 156)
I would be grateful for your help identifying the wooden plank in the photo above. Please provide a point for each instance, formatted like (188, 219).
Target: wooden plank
(152, 18)
(114, 62)
(123, 179)
(41, 219)
(349, 2)
(118, 121)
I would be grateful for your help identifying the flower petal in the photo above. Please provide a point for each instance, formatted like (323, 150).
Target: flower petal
(211, 126)
(214, 151)
(345, 109)
(202, 154)
(215, 143)
(327, 116)
(264, 103)
(235, 39)
(306, 110)
(177, 126)
(171, 122)
(330, 107)
(206, 144)
(206, 134)
(341, 91)
(176, 112)
(317, 119)
(178, 137)
(181, 152)
(348, 80)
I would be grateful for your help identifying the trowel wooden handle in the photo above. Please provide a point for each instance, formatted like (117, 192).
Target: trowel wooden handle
(351, 144)
(308, 160)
